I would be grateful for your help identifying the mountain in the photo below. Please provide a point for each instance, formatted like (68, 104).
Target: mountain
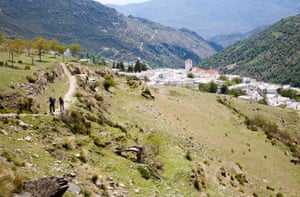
(229, 39)
(103, 31)
(272, 55)
(213, 17)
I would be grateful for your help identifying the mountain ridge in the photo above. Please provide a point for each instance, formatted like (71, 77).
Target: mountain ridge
(271, 56)
(214, 17)
(103, 31)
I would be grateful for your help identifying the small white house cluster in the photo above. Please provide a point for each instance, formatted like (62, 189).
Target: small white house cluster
(254, 89)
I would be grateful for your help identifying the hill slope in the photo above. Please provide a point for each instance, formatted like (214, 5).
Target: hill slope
(103, 31)
(272, 55)
(214, 17)
(193, 143)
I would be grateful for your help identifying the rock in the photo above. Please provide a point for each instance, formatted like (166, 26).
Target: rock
(121, 185)
(36, 156)
(28, 139)
(73, 174)
(137, 190)
(3, 132)
(74, 188)
(23, 124)
(48, 186)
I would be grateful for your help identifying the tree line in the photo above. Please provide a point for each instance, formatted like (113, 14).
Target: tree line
(37, 46)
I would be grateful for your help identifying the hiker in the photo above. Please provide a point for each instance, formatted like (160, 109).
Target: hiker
(52, 104)
(61, 104)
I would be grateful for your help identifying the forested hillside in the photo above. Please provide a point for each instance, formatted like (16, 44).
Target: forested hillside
(272, 56)
(102, 31)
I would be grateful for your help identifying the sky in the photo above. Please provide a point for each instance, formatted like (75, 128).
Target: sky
(120, 2)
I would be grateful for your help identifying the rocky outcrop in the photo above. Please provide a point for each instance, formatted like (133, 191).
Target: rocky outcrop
(46, 187)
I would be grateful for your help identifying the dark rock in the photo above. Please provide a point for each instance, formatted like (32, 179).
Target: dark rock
(46, 187)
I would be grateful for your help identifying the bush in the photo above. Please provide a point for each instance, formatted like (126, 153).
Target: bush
(260, 122)
(147, 93)
(210, 87)
(31, 79)
(241, 178)
(83, 156)
(236, 92)
(144, 173)
(69, 143)
(77, 123)
(108, 82)
(190, 75)
(27, 67)
(1, 63)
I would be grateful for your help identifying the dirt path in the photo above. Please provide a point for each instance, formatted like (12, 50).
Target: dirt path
(68, 98)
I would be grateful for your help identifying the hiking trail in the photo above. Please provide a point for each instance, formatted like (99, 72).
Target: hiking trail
(68, 97)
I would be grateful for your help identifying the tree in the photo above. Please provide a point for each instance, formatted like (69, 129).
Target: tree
(61, 50)
(139, 67)
(75, 48)
(224, 89)
(40, 44)
(212, 87)
(53, 45)
(130, 69)
(14, 47)
(28, 44)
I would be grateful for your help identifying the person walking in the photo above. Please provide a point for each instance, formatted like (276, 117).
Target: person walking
(61, 104)
(52, 104)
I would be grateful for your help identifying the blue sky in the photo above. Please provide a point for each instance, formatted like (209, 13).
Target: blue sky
(120, 2)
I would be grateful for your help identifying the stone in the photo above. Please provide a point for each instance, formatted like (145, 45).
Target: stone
(36, 156)
(74, 188)
(3, 132)
(28, 139)
(48, 186)
(121, 185)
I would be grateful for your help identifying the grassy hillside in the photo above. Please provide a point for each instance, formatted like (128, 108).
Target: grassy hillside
(102, 31)
(194, 144)
(272, 55)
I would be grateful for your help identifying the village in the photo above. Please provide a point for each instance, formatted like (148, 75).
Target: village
(191, 77)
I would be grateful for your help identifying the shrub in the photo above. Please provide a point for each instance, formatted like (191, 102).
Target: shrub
(31, 79)
(69, 143)
(1, 63)
(279, 194)
(147, 93)
(241, 178)
(27, 67)
(83, 155)
(10, 182)
(190, 75)
(188, 156)
(260, 122)
(108, 82)
(236, 92)
(144, 173)
(77, 123)
(154, 143)
(210, 87)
